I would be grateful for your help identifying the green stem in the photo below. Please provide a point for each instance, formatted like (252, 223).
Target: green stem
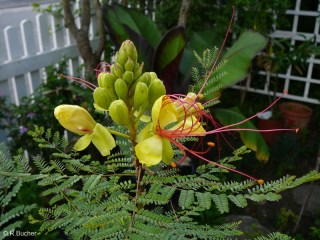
(119, 133)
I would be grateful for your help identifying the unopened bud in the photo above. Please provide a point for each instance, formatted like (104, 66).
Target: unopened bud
(130, 50)
(145, 78)
(117, 70)
(137, 70)
(121, 57)
(140, 94)
(153, 76)
(156, 90)
(128, 77)
(121, 89)
(129, 65)
(119, 112)
(102, 98)
(106, 79)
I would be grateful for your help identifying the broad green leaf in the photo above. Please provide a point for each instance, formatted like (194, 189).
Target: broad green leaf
(118, 19)
(117, 32)
(168, 55)
(240, 55)
(170, 47)
(198, 42)
(142, 25)
(125, 23)
(252, 140)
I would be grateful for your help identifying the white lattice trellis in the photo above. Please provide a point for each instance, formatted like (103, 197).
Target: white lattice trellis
(304, 88)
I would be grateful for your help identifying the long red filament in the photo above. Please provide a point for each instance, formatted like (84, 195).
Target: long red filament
(219, 53)
(79, 80)
(191, 108)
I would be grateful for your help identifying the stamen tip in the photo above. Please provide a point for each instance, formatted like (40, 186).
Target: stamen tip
(297, 130)
(173, 164)
(260, 181)
(210, 144)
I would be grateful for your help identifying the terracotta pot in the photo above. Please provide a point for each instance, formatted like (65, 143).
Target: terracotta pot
(295, 115)
(270, 137)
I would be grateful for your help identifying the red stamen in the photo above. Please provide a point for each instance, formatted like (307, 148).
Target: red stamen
(191, 108)
(255, 115)
(102, 67)
(181, 146)
(79, 80)
(219, 53)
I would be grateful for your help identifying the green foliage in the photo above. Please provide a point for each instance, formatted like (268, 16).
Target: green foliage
(212, 89)
(11, 169)
(87, 199)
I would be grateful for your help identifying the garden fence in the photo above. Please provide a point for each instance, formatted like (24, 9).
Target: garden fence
(26, 50)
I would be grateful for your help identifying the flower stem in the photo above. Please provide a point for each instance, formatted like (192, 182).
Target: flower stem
(119, 133)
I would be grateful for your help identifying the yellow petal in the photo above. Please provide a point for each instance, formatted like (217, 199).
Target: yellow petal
(163, 112)
(143, 118)
(167, 151)
(149, 151)
(102, 139)
(82, 143)
(74, 118)
(146, 132)
(190, 126)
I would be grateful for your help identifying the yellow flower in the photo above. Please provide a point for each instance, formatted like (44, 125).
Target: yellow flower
(154, 141)
(78, 120)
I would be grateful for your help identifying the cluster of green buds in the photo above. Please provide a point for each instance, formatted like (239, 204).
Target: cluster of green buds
(125, 89)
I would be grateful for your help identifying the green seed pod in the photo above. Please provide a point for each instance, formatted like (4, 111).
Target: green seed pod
(121, 89)
(130, 50)
(128, 77)
(119, 112)
(140, 94)
(121, 57)
(102, 98)
(129, 66)
(156, 90)
(137, 70)
(117, 70)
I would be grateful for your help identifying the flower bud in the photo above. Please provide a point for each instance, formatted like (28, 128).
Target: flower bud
(145, 78)
(121, 57)
(102, 98)
(117, 70)
(121, 89)
(129, 65)
(119, 112)
(74, 118)
(130, 50)
(140, 94)
(137, 70)
(106, 79)
(128, 77)
(153, 76)
(156, 90)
